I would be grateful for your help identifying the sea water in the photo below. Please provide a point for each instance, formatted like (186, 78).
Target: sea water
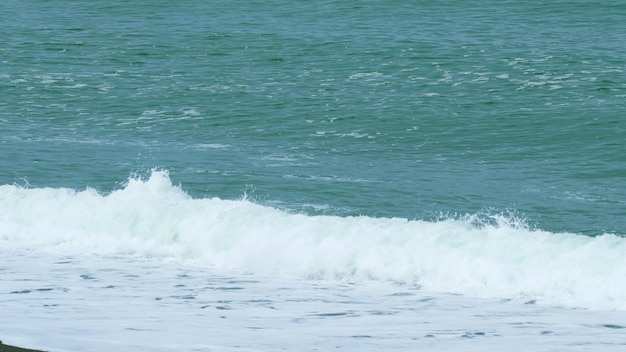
(232, 175)
(149, 268)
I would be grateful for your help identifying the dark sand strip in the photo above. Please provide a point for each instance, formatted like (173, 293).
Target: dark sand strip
(7, 348)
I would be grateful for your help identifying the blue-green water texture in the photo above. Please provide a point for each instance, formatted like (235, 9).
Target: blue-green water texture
(463, 158)
(419, 110)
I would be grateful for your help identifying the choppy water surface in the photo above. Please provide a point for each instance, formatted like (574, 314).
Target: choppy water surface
(366, 176)
(375, 109)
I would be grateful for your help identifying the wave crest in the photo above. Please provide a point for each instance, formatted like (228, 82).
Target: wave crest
(153, 218)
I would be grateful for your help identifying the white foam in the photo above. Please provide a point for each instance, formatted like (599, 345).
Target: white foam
(153, 218)
(86, 303)
(364, 75)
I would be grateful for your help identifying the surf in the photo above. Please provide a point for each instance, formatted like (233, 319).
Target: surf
(153, 218)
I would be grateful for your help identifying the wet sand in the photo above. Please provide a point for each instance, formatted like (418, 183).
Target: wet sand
(7, 348)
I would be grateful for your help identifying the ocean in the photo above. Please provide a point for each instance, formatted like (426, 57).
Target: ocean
(315, 175)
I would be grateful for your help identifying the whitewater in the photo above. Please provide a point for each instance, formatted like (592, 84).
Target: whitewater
(209, 273)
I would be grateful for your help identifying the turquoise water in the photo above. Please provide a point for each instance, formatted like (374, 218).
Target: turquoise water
(310, 175)
(390, 109)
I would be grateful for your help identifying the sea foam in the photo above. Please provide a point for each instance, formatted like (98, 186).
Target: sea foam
(153, 218)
